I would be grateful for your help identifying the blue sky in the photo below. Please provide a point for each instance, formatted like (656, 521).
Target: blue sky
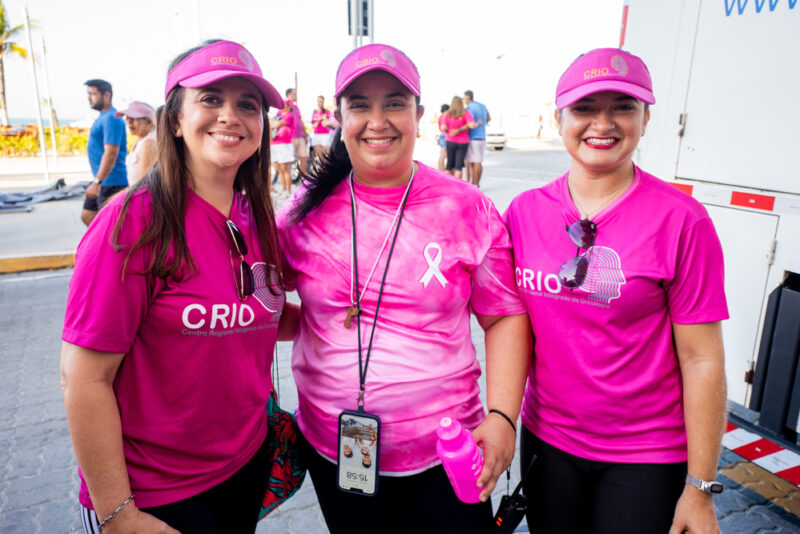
(509, 52)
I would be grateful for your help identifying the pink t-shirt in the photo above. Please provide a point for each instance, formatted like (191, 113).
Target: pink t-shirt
(298, 121)
(605, 382)
(284, 133)
(452, 123)
(195, 380)
(452, 255)
(316, 121)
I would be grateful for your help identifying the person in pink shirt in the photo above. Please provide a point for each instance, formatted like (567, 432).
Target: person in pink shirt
(456, 125)
(174, 307)
(390, 259)
(625, 401)
(323, 125)
(282, 148)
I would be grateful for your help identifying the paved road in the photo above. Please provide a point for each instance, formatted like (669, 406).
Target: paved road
(38, 482)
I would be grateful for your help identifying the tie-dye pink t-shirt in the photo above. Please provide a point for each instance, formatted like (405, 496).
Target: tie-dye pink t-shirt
(605, 382)
(452, 255)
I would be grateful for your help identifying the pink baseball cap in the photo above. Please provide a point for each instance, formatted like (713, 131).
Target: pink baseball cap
(605, 69)
(137, 110)
(376, 57)
(217, 61)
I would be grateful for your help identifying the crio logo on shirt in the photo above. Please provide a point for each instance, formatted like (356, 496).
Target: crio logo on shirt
(196, 316)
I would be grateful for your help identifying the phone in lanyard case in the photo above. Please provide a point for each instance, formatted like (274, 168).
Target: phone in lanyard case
(358, 450)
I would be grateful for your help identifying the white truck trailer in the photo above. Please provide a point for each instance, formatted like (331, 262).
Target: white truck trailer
(726, 129)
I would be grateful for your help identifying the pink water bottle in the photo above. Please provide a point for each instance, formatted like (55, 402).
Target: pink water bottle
(461, 459)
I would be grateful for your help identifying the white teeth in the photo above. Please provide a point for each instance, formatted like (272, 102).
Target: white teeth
(377, 141)
(605, 141)
(225, 137)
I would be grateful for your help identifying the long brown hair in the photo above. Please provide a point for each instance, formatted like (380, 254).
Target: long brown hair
(167, 183)
(456, 107)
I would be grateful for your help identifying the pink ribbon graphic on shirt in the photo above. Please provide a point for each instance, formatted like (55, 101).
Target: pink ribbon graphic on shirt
(433, 265)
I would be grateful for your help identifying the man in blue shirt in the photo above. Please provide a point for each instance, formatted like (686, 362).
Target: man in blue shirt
(477, 137)
(107, 148)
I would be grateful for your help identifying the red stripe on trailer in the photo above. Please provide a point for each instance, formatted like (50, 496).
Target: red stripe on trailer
(757, 449)
(751, 200)
(792, 475)
(729, 426)
(686, 188)
(624, 25)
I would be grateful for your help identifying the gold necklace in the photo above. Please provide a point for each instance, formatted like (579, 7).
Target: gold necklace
(587, 215)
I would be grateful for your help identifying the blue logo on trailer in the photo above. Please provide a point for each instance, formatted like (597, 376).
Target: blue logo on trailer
(740, 5)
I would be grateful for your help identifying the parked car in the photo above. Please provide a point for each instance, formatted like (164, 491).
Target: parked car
(495, 138)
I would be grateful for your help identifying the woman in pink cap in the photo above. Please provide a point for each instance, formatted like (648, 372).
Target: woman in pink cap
(282, 148)
(390, 257)
(622, 275)
(140, 119)
(174, 308)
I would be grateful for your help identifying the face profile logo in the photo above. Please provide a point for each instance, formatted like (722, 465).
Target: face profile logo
(245, 58)
(604, 276)
(268, 291)
(388, 56)
(619, 64)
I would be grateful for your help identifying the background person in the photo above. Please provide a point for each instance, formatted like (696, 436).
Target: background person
(299, 134)
(140, 118)
(106, 148)
(173, 314)
(322, 127)
(282, 148)
(451, 256)
(457, 121)
(477, 138)
(441, 136)
(627, 387)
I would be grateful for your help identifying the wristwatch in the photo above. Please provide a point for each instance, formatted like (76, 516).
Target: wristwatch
(709, 486)
(96, 181)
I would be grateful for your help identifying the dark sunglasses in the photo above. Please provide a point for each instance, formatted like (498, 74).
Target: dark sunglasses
(572, 272)
(245, 281)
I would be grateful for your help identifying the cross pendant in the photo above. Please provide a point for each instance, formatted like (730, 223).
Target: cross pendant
(352, 311)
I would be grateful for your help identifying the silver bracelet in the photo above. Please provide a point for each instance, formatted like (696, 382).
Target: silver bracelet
(113, 514)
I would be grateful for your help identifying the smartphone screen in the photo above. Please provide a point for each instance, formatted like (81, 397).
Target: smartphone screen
(359, 437)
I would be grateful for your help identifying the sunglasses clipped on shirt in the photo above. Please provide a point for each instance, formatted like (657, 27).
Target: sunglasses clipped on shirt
(572, 272)
(243, 273)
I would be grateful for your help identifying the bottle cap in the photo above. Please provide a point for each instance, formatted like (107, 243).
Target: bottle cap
(448, 429)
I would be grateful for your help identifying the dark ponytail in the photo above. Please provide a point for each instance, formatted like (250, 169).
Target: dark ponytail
(324, 174)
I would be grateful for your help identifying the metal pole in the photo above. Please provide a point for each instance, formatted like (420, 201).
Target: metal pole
(354, 21)
(49, 101)
(42, 139)
(371, 21)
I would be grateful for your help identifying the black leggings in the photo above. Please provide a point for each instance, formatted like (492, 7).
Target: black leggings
(231, 506)
(456, 152)
(417, 504)
(568, 494)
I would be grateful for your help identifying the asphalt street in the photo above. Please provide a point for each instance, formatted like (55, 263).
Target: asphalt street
(38, 479)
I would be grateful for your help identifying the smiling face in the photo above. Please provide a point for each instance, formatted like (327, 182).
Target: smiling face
(602, 130)
(221, 125)
(379, 118)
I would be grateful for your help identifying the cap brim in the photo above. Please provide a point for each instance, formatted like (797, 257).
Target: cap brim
(350, 79)
(636, 91)
(131, 115)
(270, 94)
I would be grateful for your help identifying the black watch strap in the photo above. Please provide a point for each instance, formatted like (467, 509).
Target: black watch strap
(708, 486)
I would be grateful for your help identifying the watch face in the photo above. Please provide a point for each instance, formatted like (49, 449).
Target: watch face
(716, 487)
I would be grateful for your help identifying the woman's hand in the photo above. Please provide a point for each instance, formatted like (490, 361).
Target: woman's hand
(135, 521)
(498, 441)
(695, 513)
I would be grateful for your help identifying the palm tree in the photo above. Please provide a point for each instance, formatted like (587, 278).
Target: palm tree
(8, 34)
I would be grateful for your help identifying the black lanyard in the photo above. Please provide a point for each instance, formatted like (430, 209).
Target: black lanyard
(362, 366)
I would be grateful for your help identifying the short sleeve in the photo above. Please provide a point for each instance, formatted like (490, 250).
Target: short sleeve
(697, 293)
(104, 310)
(493, 288)
(114, 132)
(289, 120)
(468, 117)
